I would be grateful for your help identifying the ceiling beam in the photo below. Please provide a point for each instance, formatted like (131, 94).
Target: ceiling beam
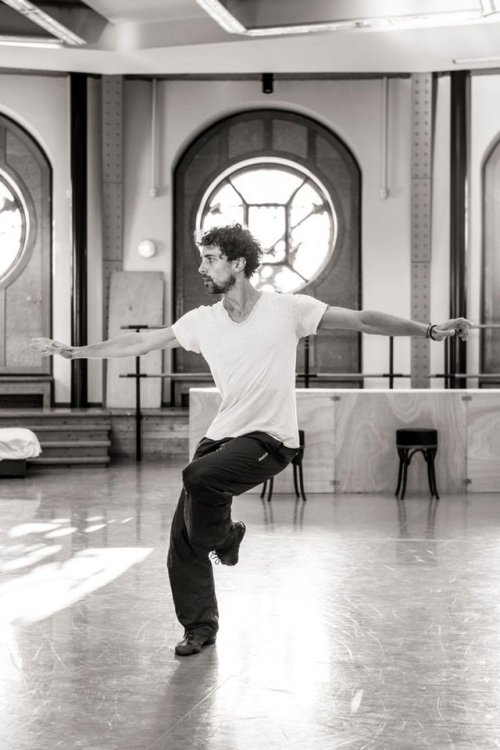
(70, 24)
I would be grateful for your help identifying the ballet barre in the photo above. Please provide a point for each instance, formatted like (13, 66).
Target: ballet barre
(318, 375)
(206, 377)
(480, 375)
(306, 376)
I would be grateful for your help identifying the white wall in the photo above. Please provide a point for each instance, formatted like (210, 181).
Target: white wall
(440, 252)
(352, 109)
(41, 105)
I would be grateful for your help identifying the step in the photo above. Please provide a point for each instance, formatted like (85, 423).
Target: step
(65, 416)
(56, 411)
(69, 453)
(66, 434)
(68, 460)
(62, 452)
(68, 428)
(69, 449)
(26, 378)
(75, 443)
(31, 424)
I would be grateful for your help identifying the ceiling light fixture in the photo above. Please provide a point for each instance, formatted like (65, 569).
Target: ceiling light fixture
(495, 61)
(394, 23)
(48, 23)
(30, 41)
(485, 12)
(223, 17)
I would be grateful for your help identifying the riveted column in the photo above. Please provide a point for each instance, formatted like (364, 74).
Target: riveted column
(112, 183)
(421, 220)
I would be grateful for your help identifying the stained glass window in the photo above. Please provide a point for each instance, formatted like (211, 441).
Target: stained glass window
(286, 208)
(12, 227)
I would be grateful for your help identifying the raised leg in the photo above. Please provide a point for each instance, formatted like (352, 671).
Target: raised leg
(202, 521)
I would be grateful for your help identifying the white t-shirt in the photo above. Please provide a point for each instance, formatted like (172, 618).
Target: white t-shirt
(253, 362)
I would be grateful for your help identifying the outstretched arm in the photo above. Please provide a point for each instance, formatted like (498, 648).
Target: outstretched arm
(125, 345)
(371, 321)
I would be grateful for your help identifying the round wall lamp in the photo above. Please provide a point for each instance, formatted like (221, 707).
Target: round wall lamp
(146, 248)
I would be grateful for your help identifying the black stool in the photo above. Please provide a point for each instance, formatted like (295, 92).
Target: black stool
(297, 470)
(409, 442)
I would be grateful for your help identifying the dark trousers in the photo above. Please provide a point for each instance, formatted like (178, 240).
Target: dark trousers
(202, 521)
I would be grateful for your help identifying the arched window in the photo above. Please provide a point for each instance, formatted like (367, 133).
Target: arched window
(490, 337)
(297, 187)
(286, 208)
(13, 228)
(25, 250)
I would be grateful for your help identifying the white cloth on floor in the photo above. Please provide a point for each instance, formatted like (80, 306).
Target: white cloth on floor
(18, 442)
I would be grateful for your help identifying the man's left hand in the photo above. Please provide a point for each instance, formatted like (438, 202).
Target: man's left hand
(456, 326)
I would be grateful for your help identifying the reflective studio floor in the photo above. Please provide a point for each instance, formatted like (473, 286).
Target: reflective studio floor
(351, 622)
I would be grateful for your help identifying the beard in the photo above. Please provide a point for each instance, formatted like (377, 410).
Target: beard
(212, 287)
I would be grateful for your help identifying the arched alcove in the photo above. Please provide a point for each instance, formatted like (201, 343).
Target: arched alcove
(294, 139)
(490, 270)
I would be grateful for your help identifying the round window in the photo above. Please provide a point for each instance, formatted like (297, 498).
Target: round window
(12, 227)
(288, 211)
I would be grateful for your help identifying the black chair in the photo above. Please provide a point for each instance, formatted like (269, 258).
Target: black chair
(409, 442)
(298, 477)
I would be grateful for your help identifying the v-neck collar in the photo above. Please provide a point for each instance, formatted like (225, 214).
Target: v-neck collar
(252, 311)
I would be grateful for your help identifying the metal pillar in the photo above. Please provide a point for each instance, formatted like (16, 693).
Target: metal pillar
(459, 153)
(78, 136)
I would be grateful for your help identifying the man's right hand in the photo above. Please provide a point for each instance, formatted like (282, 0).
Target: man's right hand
(49, 347)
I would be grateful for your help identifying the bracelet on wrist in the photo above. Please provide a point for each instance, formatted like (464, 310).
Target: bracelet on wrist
(431, 333)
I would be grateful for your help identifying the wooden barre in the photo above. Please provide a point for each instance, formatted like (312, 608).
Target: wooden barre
(466, 375)
(146, 326)
(319, 375)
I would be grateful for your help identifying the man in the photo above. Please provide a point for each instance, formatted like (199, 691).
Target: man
(249, 339)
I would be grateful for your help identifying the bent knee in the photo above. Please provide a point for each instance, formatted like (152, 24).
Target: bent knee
(194, 476)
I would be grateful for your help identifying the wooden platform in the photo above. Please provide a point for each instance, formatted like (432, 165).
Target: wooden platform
(350, 437)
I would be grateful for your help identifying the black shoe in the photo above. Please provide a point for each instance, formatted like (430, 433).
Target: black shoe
(192, 643)
(229, 555)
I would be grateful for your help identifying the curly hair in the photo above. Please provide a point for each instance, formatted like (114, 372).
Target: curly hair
(235, 242)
